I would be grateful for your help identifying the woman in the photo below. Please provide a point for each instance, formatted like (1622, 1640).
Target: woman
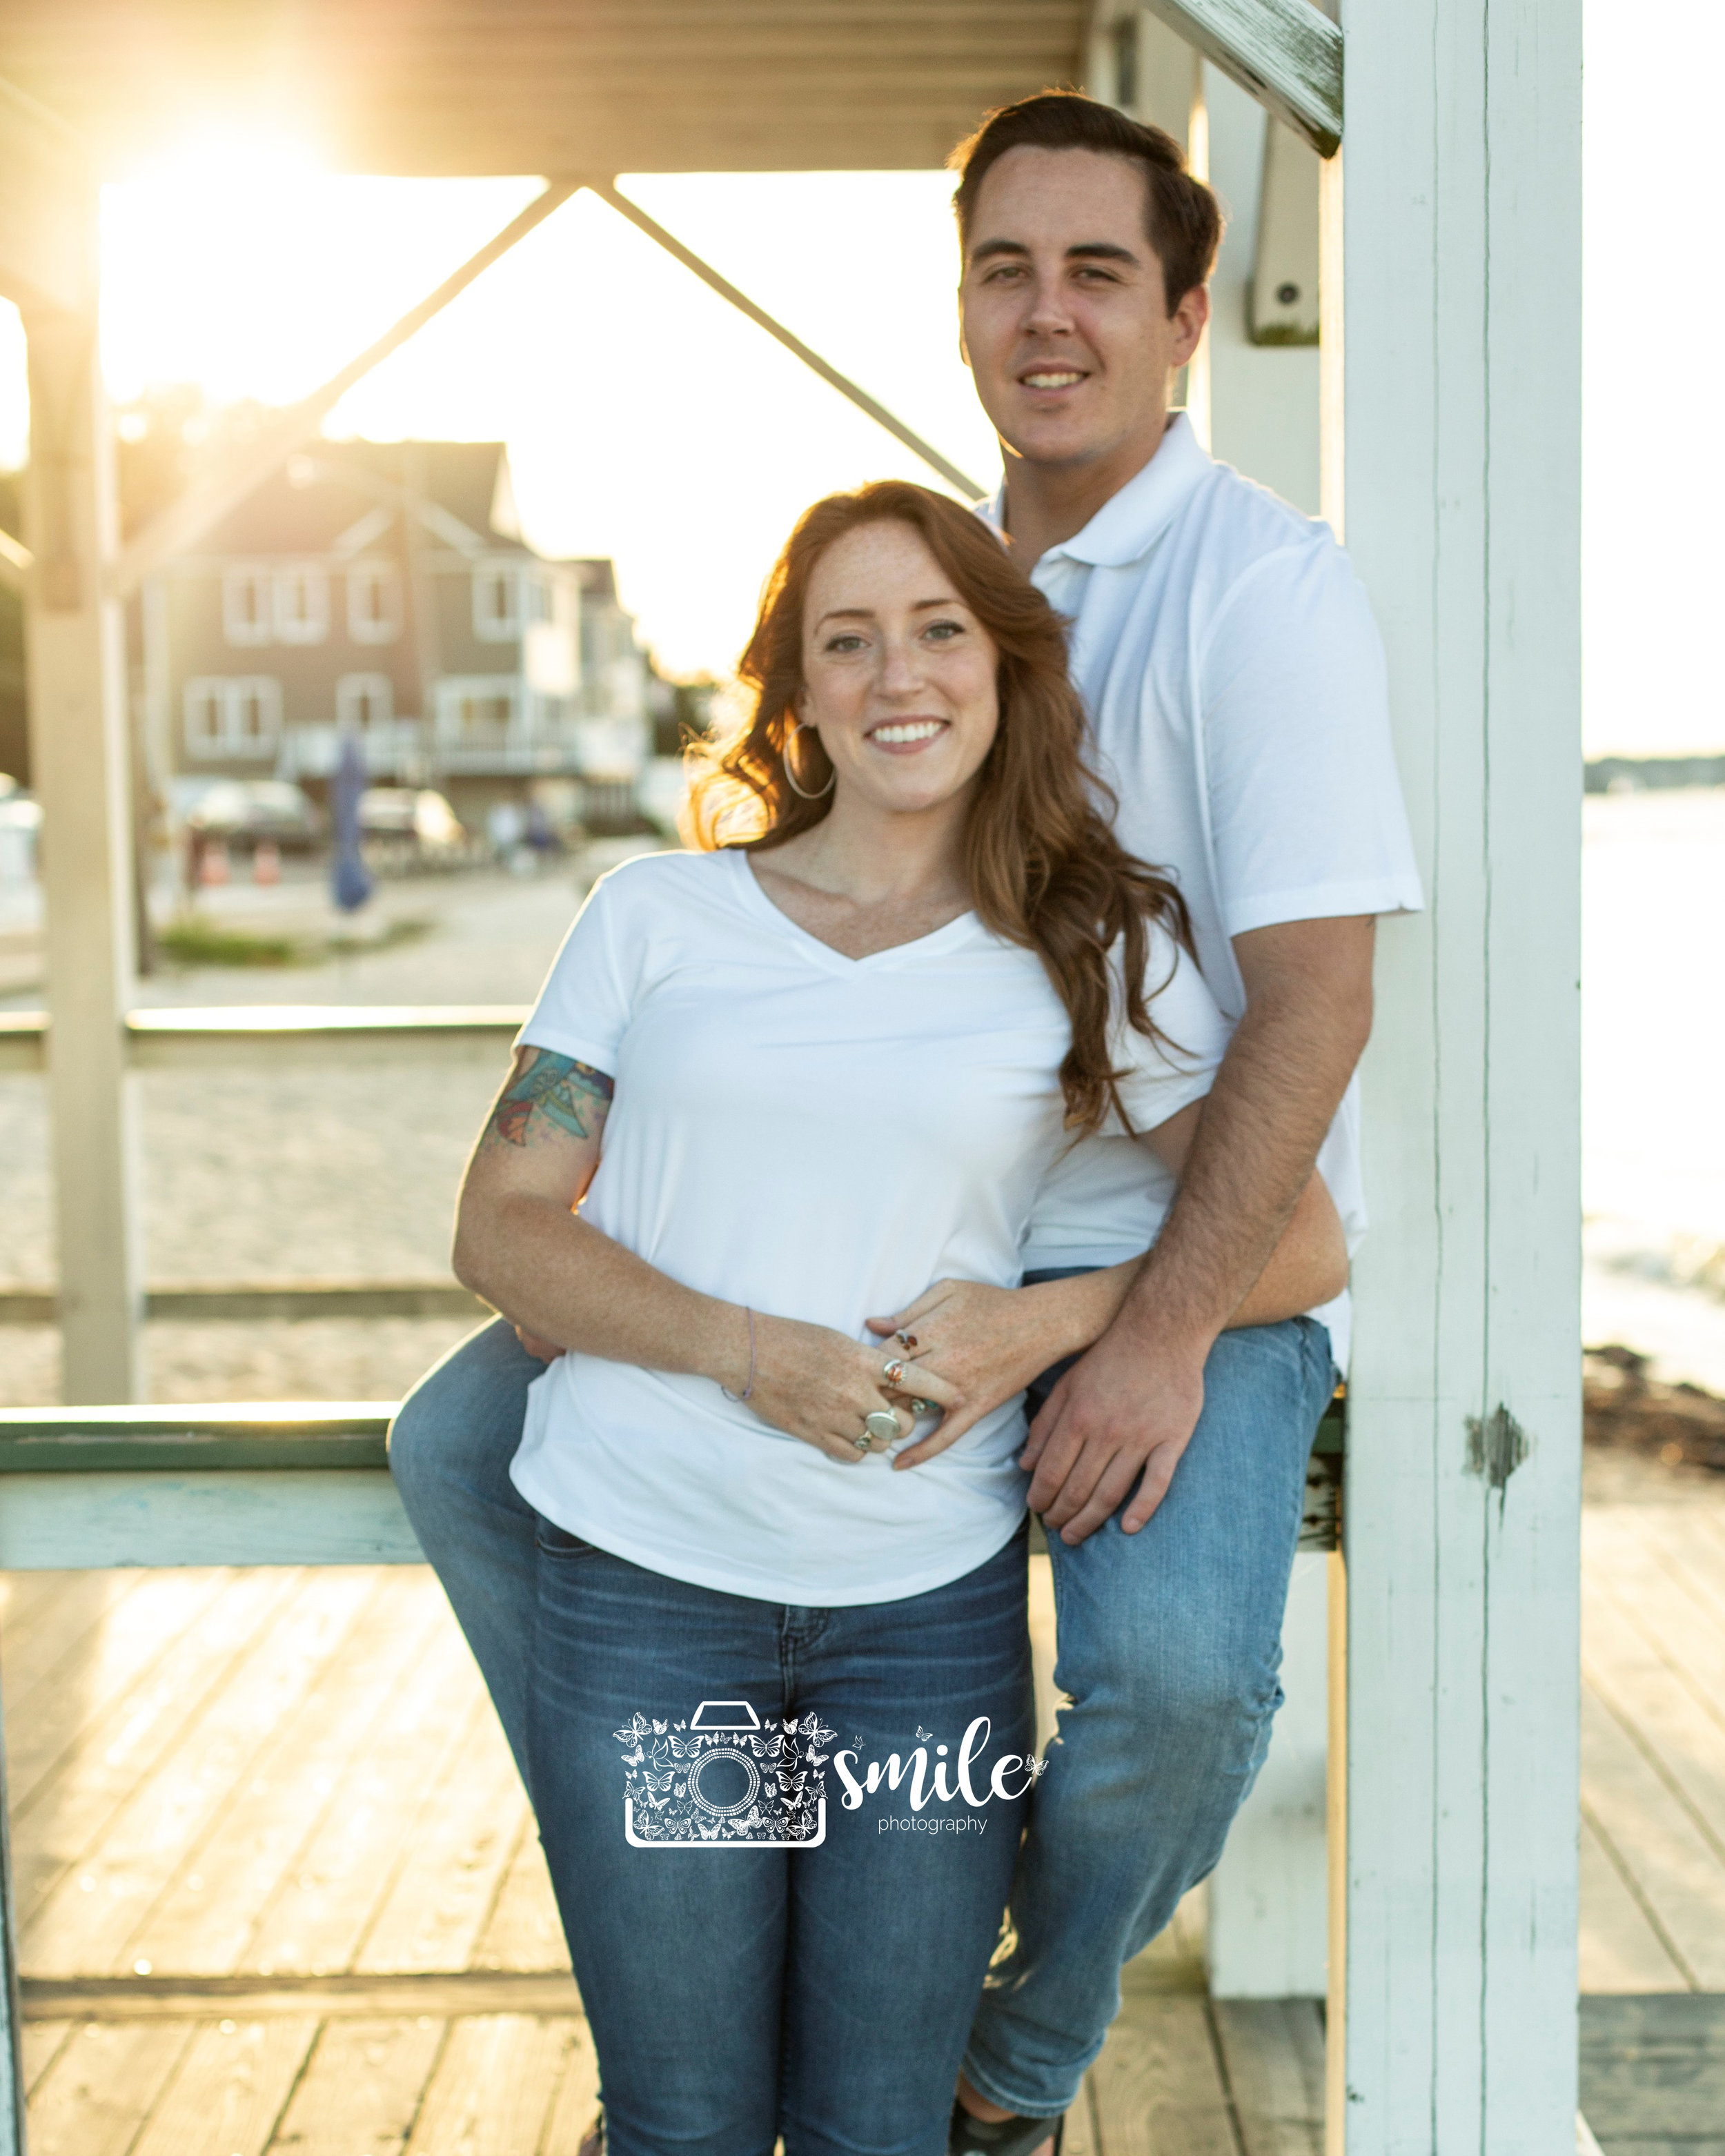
(778, 1722)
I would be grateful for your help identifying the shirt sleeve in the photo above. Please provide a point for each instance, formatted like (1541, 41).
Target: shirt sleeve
(1306, 816)
(584, 1007)
(1169, 1073)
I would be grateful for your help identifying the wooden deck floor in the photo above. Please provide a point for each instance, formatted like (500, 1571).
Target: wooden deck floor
(278, 1887)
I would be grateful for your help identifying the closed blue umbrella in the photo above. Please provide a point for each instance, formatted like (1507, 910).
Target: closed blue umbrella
(349, 882)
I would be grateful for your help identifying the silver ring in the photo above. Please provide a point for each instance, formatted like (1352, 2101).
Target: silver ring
(907, 1340)
(882, 1426)
(893, 1372)
(921, 1407)
(863, 1443)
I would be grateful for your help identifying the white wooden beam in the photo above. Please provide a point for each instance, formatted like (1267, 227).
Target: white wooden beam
(1285, 52)
(15, 560)
(80, 771)
(208, 499)
(1461, 212)
(47, 248)
(220, 1516)
(811, 359)
(1284, 293)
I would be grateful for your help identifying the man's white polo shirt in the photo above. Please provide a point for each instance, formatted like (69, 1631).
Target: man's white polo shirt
(1236, 683)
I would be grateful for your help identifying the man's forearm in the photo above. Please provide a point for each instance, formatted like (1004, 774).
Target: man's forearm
(1275, 1097)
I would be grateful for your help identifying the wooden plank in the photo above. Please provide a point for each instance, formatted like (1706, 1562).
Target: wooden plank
(494, 2088)
(203, 1919)
(1081, 2137)
(333, 1998)
(275, 1036)
(206, 1303)
(1681, 1880)
(95, 2096)
(287, 1435)
(62, 1620)
(361, 2090)
(1460, 217)
(1620, 1948)
(439, 1904)
(88, 1763)
(233, 2081)
(78, 1929)
(1286, 53)
(39, 2043)
(48, 259)
(1653, 2075)
(1159, 2086)
(793, 344)
(80, 769)
(523, 1930)
(1664, 1596)
(317, 1920)
(1273, 2053)
(1681, 1736)
(577, 2099)
(238, 1515)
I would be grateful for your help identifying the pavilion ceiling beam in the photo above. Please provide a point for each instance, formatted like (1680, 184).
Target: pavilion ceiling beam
(15, 560)
(1285, 52)
(210, 499)
(793, 344)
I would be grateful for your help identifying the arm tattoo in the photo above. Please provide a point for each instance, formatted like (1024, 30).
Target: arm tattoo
(553, 1089)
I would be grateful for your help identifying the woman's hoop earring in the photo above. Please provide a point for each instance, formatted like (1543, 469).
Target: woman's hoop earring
(790, 777)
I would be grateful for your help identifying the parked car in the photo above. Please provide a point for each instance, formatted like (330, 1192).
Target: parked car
(411, 827)
(248, 813)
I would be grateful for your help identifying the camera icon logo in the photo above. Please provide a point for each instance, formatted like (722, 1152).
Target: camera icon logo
(724, 1779)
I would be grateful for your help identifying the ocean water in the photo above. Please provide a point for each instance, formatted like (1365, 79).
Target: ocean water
(1653, 1077)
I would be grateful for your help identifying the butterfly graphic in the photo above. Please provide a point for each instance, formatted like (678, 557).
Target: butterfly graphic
(922, 1734)
(633, 1759)
(636, 1730)
(657, 1781)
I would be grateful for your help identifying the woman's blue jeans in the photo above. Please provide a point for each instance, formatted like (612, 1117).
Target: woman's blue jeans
(1169, 1646)
(737, 1990)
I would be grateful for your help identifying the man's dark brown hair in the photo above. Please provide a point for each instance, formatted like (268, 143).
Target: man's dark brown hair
(1184, 222)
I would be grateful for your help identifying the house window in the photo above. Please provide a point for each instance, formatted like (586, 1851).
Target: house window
(477, 708)
(247, 605)
(302, 605)
(373, 603)
(233, 715)
(497, 602)
(364, 700)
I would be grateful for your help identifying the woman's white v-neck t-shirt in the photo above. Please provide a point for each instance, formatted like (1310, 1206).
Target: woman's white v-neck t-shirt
(819, 1137)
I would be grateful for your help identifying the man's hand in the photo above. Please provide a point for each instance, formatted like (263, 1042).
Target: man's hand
(1124, 1414)
(1127, 1411)
(546, 1350)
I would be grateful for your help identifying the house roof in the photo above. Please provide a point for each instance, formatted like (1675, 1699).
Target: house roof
(455, 86)
(328, 492)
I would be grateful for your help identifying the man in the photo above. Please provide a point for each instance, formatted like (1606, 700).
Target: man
(1235, 685)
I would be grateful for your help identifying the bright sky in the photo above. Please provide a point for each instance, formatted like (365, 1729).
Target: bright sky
(649, 421)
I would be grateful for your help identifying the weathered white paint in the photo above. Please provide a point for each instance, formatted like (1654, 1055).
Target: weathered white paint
(1285, 52)
(80, 769)
(1264, 398)
(1461, 217)
(1284, 299)
(232, 1515)
(272, 1036)
(1267, 1936)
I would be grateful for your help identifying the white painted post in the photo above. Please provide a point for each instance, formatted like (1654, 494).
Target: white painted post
(1267, 1930)
(1461, 401)
(80, 767)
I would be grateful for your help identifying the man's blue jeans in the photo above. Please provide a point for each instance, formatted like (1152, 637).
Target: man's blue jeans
(1169, 1644)
(741, 1992)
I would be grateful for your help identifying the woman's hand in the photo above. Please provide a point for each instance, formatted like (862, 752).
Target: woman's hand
(819, 1385)
(987, 1343)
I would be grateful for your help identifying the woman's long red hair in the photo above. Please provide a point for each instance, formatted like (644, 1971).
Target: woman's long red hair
(1045, 868)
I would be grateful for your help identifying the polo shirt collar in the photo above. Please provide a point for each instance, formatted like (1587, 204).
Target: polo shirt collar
(1128, 524)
